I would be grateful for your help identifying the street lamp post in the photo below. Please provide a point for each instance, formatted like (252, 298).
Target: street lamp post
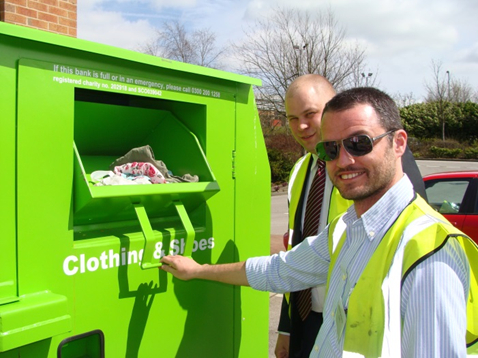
(448, 75)
(299, 58)
(367, 77)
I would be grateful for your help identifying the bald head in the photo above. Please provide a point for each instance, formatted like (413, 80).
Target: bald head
(312, 81)
(305, 100)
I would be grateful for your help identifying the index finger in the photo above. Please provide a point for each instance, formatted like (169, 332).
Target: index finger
(167, 259)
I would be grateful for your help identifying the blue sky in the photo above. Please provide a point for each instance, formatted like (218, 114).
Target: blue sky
(401, 37)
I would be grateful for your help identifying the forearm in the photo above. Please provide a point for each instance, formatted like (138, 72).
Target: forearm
(233, 273)
(302, 267)
(187, 269)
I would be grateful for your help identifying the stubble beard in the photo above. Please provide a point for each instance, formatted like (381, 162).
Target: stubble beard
(376, 184)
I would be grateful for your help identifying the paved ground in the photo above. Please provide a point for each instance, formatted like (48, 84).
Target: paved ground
(275, 302)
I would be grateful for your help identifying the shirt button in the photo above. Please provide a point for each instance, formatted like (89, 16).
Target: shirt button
(372, 233)
(316, 348)
(332, 314)
(344, 277)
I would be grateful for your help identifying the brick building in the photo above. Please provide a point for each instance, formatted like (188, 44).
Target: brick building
(58, 16)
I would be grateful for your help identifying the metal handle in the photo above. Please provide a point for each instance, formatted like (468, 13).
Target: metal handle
(149, 236)
(188, 227)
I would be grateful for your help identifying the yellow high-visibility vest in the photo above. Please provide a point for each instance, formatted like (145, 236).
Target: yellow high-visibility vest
(418, 232)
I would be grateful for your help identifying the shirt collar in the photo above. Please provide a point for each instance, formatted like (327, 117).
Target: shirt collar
(315, 160)
(315, 157)
(393, 203)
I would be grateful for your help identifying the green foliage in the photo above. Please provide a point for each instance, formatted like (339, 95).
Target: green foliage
(470, 153)
(438, 152)
(283, 152)
(280, 165)
(469, 112)
(423, 120)
(437, 148)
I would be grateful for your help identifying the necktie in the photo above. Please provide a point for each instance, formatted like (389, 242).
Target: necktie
(311, 224)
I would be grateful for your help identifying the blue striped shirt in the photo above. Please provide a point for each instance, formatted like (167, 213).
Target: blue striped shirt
(433, 297)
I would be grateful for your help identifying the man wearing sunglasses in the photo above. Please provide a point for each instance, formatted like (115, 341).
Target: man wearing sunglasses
(398, 279)
(304, 102)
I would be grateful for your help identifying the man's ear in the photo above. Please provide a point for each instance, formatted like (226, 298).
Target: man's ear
(400, 142)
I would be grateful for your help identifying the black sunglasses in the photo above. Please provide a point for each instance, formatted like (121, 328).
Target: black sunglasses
(357, 146)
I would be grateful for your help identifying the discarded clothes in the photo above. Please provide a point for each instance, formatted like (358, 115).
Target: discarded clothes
(102, 177)
(140, 169)
(145, 154)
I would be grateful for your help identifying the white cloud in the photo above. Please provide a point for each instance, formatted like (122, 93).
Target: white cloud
(401, 37)
(157, 4)
(109, 27)
(468, 55)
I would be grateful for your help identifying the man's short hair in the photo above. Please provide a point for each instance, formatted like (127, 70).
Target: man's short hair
(381, 102)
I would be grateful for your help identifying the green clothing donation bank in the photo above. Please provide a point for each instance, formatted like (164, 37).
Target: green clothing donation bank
(79, 257)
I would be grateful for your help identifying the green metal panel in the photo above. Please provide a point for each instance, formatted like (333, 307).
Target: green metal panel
(78, 259)
(36, 317)
(251, 235)
(8, 273)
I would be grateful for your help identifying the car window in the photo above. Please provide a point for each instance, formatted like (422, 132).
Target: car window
(475, 211)
(446, 196)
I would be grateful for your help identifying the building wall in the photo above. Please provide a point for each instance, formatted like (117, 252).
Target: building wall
(58, 16)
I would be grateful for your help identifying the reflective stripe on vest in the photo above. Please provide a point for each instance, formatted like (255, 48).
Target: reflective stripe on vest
(378, 289)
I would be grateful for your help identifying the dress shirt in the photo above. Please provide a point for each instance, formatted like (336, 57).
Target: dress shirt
(433, 297)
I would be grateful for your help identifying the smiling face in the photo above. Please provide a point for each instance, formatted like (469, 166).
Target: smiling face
(304, 103)
(364, 179)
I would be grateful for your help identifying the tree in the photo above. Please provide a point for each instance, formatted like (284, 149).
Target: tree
(404, 100)
(447, 93)
(173, 41)
(291, 43)
(460, 91)
(438, 91)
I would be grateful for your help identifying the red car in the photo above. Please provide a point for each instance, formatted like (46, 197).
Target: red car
(454, 194)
